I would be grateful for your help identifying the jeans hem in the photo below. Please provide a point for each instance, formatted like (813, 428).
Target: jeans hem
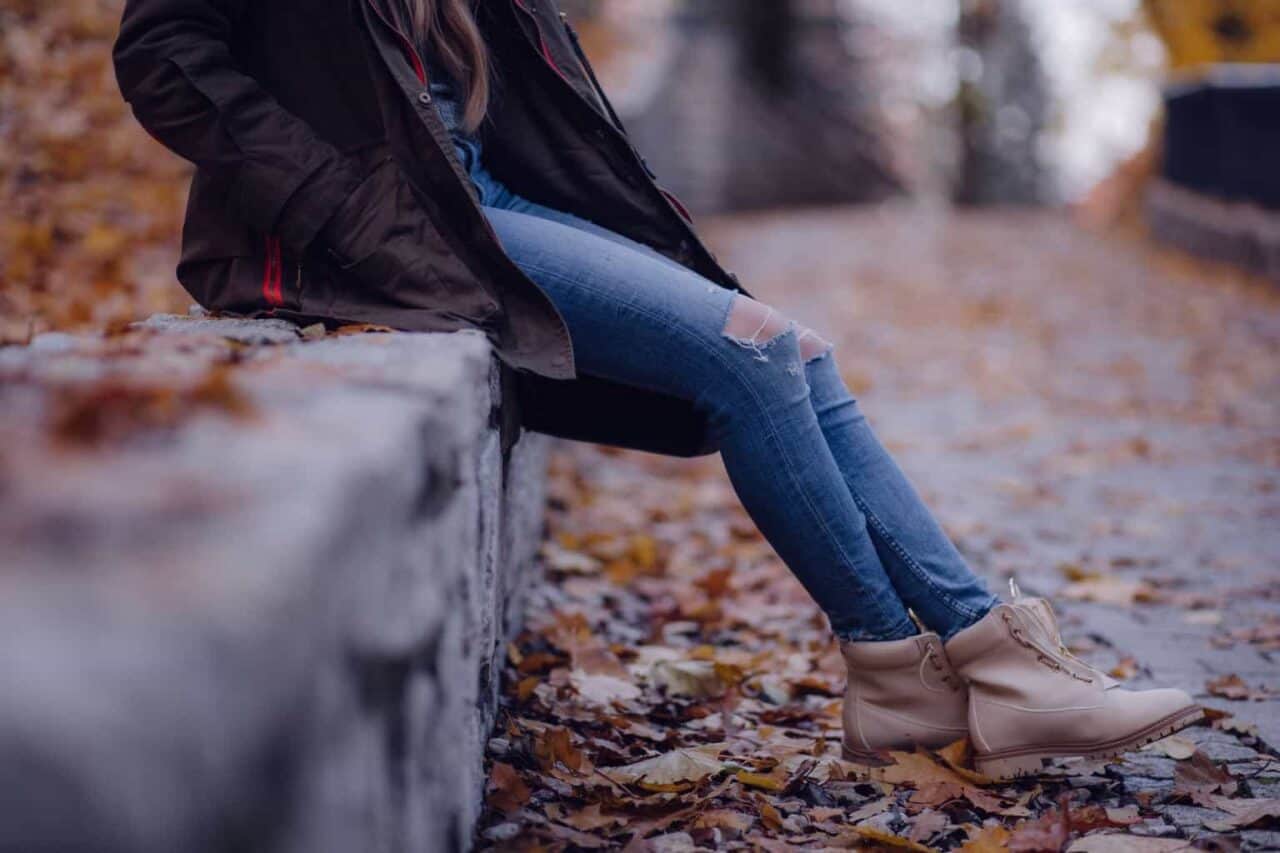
(980, 614)
(904, 631)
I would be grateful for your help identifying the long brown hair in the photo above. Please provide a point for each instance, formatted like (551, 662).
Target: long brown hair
(448, 28)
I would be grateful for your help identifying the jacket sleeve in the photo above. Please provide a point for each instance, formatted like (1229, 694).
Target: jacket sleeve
(175, 66)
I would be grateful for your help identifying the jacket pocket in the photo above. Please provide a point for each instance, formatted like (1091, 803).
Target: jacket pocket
(367, 219)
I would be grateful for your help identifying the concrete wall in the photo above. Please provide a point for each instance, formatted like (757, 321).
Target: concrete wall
(265, 615)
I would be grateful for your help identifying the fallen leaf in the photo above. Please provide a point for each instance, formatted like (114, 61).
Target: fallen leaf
(1234, 687)
(677, 767)
(725, 819)
(1174, 746)
(693, 678)
(1125, 668)
(555, 745)
(987, 839)
(564, 561)
(1108, 589)
(761, 780)
(507, 791)
(769, 814)
(871, 809)
(927, 824)
(958, 755)
(1236, 726)
(1244, 813)
(935, 783)
(1198, 779)
(888, 839)
(592, 818)
(603, 690)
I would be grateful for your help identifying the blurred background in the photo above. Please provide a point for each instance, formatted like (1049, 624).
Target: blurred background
(1162, 115)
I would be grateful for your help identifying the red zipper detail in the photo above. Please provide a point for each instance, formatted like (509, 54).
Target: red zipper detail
(272, 274)
(677, 204)
(406, 44)
(542, 41)
(279, 290)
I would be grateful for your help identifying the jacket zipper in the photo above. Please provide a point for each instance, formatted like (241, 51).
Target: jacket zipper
(542, 40)
(406, 44)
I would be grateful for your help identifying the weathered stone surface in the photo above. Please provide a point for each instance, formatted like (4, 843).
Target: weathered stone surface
(270, 631)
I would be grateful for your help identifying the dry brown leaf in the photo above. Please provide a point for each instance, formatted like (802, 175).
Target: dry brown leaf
(1050, 832)
(1244, 813)
(1236, 726)
(567, 562)
(1234, 687)
(1108, 589)
(927, 824)
(958, 755)
(592, 819)
(602, 690)
(555, 745)
(769, 815)
(693, 679)
(1199, 778)
(1125, 668)
(725, 819)
(870, 809)
(987, 839)
(1174, 746)
(677, 767)
(363, 329)
(934, 782)
(507, 791)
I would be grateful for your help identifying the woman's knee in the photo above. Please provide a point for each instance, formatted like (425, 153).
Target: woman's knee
(754, 325)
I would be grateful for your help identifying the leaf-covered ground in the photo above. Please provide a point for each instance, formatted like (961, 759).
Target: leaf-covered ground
(1096, 420)
(90, 206)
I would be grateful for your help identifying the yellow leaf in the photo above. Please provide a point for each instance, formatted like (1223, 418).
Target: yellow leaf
(760, 780)
(888, 839)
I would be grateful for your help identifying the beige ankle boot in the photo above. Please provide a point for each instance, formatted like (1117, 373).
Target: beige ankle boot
(1030, 699)
(901, 694)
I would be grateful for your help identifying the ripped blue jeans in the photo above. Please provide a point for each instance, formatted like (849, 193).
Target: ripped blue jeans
(801, 456)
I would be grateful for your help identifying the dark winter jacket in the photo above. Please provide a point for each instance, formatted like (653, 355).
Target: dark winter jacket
(327, 189)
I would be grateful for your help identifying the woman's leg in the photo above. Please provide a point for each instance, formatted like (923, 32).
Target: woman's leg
(646, 322)
(926, 569)
(924, 566)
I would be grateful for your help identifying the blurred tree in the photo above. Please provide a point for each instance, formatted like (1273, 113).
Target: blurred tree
(767, 40)
(1002, 106)
(768, 103)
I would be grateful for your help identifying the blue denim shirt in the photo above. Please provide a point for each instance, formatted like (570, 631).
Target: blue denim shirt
(446, 94)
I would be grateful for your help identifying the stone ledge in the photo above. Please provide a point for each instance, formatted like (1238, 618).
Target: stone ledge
(272, 610)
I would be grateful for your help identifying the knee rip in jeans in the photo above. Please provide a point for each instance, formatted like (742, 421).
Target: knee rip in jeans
(753, 325)
(813, 346)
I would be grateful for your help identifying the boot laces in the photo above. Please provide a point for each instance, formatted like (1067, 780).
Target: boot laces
(1055, 633)
(945, 674)
(1054, 659)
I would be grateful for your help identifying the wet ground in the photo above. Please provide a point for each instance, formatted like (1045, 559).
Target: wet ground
(1098, 420)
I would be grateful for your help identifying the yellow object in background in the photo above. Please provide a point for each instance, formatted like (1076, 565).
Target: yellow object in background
(1203, 32)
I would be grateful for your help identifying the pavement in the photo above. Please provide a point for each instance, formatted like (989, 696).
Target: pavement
(1096, 417)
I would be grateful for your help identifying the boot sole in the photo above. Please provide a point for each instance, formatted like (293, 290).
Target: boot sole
(1007, 764)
